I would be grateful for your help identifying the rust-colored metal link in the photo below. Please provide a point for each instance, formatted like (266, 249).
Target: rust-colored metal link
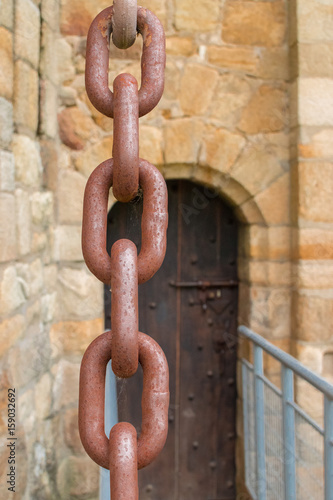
(153, 225)
(123, 462)
(124, 310)
(125, 138)
(152, 61)
(155, 400)
(124, 21)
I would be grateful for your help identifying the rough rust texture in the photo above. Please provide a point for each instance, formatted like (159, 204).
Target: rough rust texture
(123, 462)
(124, 23)
(124, 311)
(155, 400)
(152, 62)
(125, 138)
(154, 221)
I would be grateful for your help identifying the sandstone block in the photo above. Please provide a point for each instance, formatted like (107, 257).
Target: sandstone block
(50, 13)
(151, 144)
(23, 221)
(315, 60)
(65, 67)
(26, 97)
(36, 277)
(6, 122)
(317, 145)
(199, 16)
(315, 101)
(315, 20)
(279, 239)
(27, 31)
(7, 171)
(7, 227)
(10, 330)
(76, 16)
(42, 208)
(48, 61)
(315, 274)
(86, 162)
(220, 148)
(172, 80)
(265, 112)
(182, 140)
(240, 58)
(78, 476)
(315, 244)
(254, 242)
(254, 23)
(73, 337)
(273, 63)
(6, 63)
(279, 306)
(80, 295)
(231, 95)
(256, 168)
(48, 109)
(71, 431)
(179, 46)
(67, 244)
(315, 191)
(23, 273)
(75, 127)
(279, 273)
(28, 166)
(48, 307)
(70, 196)
(11, 292)
(49, 157)
(7, 14)
(158, 7)
(43, 391)
(66, 384)
(274, 202)
(194, 98)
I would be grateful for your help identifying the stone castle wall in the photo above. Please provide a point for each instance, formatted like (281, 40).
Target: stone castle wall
(246, 109)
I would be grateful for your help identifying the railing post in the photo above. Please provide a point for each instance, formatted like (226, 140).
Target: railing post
(328, 447)
(259, 407)
(288, 415)
(245, 421)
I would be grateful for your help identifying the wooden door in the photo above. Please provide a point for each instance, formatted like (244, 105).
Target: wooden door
(190, 308)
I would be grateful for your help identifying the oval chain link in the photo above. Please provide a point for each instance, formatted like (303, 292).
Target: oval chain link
(124, 23)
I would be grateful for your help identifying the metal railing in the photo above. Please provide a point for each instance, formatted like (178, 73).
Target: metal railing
(287, 454)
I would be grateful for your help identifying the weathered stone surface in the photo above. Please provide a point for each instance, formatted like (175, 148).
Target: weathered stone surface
(10, 330)
(28, 166)
(315, 60)
(48, 307)
(220, 148)
(279, 242)
(75, 127)
(6, 122)
(158, 7)
(23, 221)
(265, 112)
(315, 101)
(71, 431)
(315, 244)
(94, 155)
(11, 293)
(7, 171)
(70, 196)
(66, 384)
(78, 476)
(50, 13)
(273, 63)
(76, 16)
(179, 46)
(6, 63)
(65, 67)
(27, 31)
(314, 274)
(279, 274)
(182, 140)
(199, 16)
(231, 94)
(7, 227)
(315, 20)
(48, 60)
(172, 80)
(317, 145)
(256, 168)
(73, 337)
(48, 125)
(26, 97)
(49, 157)
(36, 277)
(7, 14)
(42, 208)
(254, 23)
(67, 243)
(80, 295)
(240, 58)
(316, 187)
(274, 202)
(195, 100)
(151, 144)
(43, 391)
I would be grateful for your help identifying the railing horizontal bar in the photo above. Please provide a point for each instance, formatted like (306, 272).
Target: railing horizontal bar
(306, 417)
(263, 378)
(288, 360)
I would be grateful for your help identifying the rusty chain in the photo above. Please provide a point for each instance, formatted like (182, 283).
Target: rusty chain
(123, 453)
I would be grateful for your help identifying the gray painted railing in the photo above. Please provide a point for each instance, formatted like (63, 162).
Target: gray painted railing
(287, 454)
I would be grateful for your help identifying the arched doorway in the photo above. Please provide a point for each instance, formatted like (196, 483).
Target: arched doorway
(190, 308)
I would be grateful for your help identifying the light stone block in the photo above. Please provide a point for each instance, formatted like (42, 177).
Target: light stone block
(315, 101)
(194, 99)
(197, 16)
(7, 171)
(11, 293)
(8, 248)
(95, 154)
(23, 221)
(6, 122)
(41, 203)
(70, 196)
(315, 191)
(182, 140)
(26, 97)
(273, 202)
(67, 244)
(7, 13)
(27, 31)
(6, 63)
(150, 147)
(66, 384)
(221, 148)
(27, 161)
(48, 109)
(10, 331)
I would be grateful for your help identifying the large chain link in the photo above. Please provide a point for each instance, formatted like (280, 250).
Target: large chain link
(123, 452)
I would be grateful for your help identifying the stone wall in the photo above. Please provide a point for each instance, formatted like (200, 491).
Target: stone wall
(246, 109)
